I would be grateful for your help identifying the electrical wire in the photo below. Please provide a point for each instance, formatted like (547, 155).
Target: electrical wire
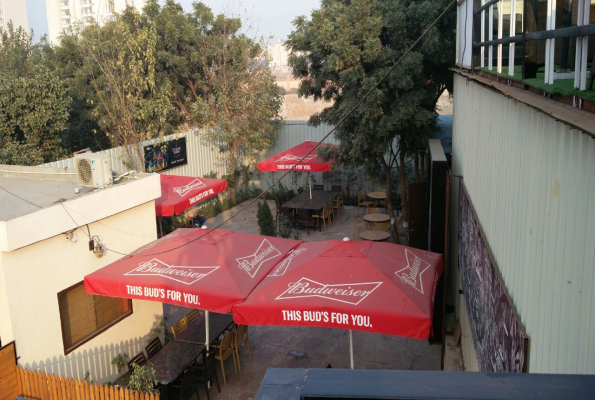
(424, 33)
(19, 197)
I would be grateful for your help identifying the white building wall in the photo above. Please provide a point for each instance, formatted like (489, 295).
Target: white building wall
(33, 276)
(15, 10)
(531, 181)
(64, 14)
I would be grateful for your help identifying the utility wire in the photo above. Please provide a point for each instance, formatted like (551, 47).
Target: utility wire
(19, 197)
(311, 150)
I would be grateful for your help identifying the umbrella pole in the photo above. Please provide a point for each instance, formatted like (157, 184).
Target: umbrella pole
(207, 339)
(160, 227)
(351, 347)
(310, 182)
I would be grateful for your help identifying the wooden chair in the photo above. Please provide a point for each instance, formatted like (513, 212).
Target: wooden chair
(373, 210)
(179, 326)
(304, 220)
(357, 228)
(153, 347)
(336, 188)
(361, 201)
(207, 370)
(279, 203)
(192, 316)
(241, 339)
(337, 203)
(225, 349)
(138, 359)
(324, 215)
(380, 226)
(382, 203)
(318, 187)
(185, 387)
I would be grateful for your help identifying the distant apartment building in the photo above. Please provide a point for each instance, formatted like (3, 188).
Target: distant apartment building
(15, 11)
(63, 15)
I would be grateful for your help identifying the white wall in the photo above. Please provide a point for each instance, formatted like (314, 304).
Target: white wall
(36, 273)
(531, 181)
(15, 10)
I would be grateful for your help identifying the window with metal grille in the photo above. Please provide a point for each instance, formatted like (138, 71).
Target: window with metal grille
(84, 316)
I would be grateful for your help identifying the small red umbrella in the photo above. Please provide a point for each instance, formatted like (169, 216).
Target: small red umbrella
(366, 286)
(287, 159)
(178, 193)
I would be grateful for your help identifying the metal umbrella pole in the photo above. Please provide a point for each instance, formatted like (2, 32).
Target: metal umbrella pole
(310, 182)
(351, 347)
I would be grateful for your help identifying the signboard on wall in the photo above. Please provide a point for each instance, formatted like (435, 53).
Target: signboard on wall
(165, 155)
(499, 338)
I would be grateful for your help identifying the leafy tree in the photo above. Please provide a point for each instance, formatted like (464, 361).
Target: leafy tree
(346, 47)
(33, 103)
(265, 219)
(119, 61)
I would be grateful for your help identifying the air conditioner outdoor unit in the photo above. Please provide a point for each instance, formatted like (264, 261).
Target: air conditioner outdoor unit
(92, 170)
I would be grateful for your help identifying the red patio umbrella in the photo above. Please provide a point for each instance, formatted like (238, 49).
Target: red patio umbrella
(362, 285)
(211, 273)
(287, 159)
(178, 193)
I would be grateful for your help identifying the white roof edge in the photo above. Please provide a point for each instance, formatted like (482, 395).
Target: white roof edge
(70, 214)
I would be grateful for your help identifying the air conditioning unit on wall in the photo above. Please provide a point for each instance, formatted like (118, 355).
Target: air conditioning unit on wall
(92, 170)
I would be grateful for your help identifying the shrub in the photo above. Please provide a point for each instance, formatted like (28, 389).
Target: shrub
(266, 222)
(142, 378)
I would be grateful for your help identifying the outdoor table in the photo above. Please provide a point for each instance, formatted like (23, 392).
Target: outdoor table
(379, 195)
(318, 200)
(195, 333)
(171, 361)
(376, 236)
(373, 218)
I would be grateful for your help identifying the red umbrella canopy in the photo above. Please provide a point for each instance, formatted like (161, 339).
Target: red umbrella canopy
(287, 159)
(366, 286)
(178, 193)
(212, 273)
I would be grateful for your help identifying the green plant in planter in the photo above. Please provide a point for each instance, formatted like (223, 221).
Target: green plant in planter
(265, 219)
(119, 361)
(143, 379)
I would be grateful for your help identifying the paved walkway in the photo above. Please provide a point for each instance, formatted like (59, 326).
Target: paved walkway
(306, 347)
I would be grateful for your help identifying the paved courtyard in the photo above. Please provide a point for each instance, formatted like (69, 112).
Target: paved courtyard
(307, 347)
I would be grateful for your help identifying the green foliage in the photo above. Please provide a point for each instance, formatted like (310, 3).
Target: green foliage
(120, 361)
(34, 104)
(286, 228)
(143, 378)
(266, 222)
(156, 331)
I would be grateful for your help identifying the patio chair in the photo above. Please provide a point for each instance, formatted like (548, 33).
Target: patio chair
(373, 210)
(318, 187)
(153, 347)
(241, 339)
(362, 202)
(179, 326)
(288, 212)
(324, 215)
(304, 220)
(279, 203)
(138, 359)
(225, 349)
(192, 316)
(337, 203)
(382, 203)
(336, 188)
(186, 386)
(357, 228)
(206, 371)
(380, 226)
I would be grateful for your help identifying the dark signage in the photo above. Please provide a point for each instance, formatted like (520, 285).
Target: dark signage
(165, 155)
(499, 338)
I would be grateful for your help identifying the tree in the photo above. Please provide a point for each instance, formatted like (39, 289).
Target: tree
(345, 49)
(33, 103)
(119, 61)
(218, 77)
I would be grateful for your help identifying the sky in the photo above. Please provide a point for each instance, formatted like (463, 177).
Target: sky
(267, 17)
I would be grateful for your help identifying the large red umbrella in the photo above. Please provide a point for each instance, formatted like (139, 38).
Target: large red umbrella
(178, 193)
(212, 273)
(287, 159)
(366, 286)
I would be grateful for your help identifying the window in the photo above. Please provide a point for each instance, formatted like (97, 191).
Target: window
(84, 316)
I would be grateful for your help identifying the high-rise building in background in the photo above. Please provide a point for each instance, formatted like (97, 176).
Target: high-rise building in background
(15, 11)
(64, 14)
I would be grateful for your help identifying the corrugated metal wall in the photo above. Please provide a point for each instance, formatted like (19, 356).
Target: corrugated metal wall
(531, 180)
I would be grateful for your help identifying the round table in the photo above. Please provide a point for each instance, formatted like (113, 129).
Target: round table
(372, 218)
(376, 236)
(380, 195)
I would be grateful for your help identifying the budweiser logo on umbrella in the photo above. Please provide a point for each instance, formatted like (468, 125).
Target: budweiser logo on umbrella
(182, 274)
(290, 157)
(281, 268)
(412, 273)
(252, 263)
(184, 190)
(350, 293)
